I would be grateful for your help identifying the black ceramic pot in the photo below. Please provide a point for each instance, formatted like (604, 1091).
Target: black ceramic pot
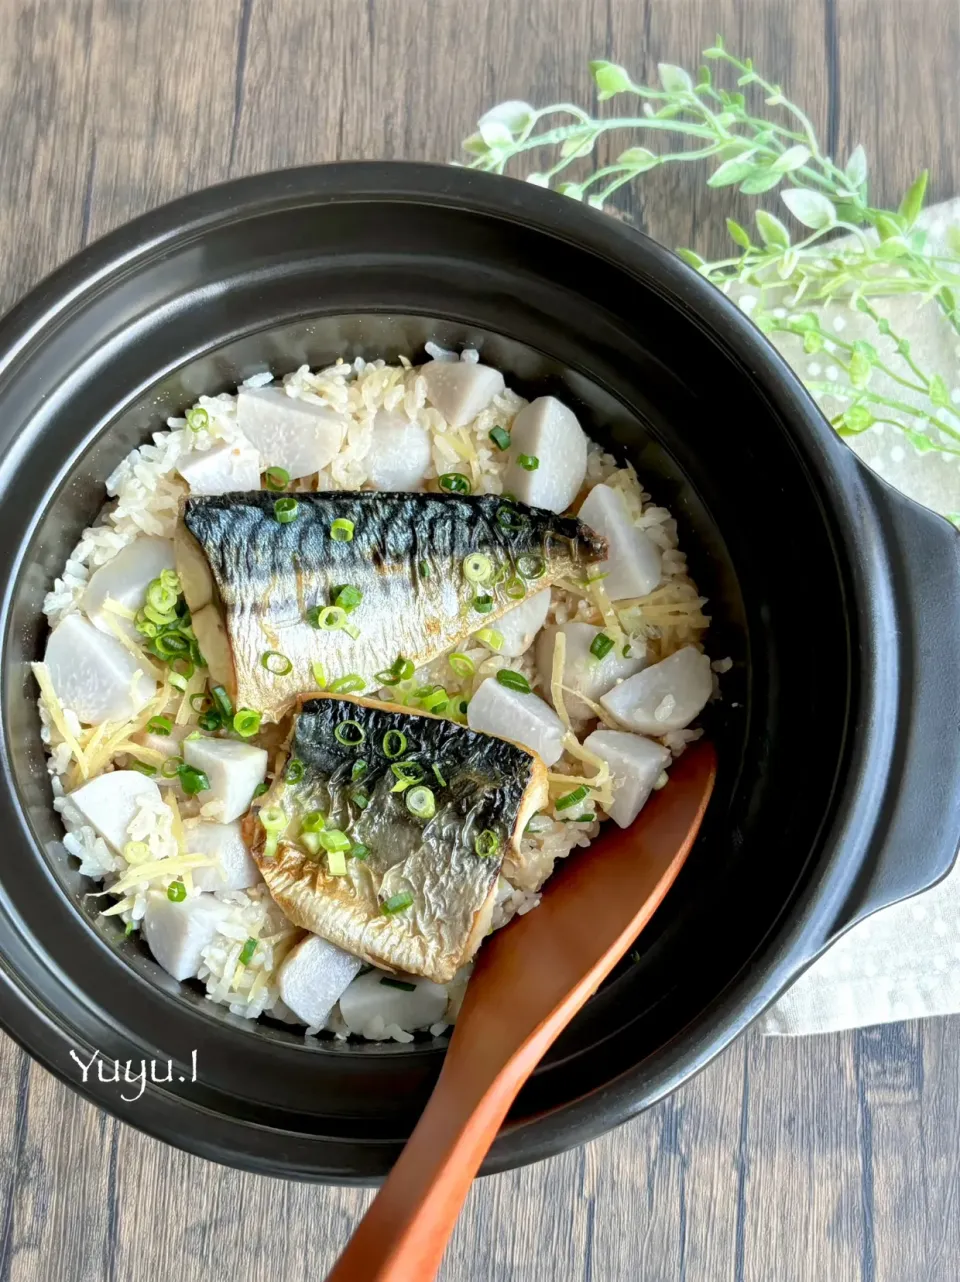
(836, 599)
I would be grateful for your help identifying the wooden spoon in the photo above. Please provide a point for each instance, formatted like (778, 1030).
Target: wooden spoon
(530, 980)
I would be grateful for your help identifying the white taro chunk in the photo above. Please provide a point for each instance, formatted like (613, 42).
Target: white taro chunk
(95, 675)
(223, 469)
(418, 1004)
(233, 869)
(399, 453)
(519, 626)
(111, 802)
(583, 672)
(461, 390)
(546, 430)
(235, 771)
(313, 976)
(125, 580)
(177, 933)
(294, 434)
(522, 718)
(635, 766)
(633, 567)
(664, 697)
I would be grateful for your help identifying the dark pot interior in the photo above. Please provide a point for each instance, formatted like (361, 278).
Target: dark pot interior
(719, 434)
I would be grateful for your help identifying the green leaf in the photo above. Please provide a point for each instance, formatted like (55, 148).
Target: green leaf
(788, 264)
(855, 420)
(674, 79)
(638, 158)
(948, 298)
(690, 258)
(860, 369)
(793, 158)
(741, 236)
(579, 143)
(538, 180)
(953, 239)
(609, 78)
(895, 247)
(513, 115)
(732, 171)
(868, 350)
(475, 145)
(761, 180)
(772, 231)
(812, 342)
(855, 170)
(921, 443)
(810, 208)
(887, 225)
(704, 79)
(802, 324)
(716, 49)
(573, 190)
(495, 134)
(939, 394)
(912, 202)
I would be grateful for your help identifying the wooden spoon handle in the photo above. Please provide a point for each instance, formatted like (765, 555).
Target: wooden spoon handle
(405, 1232)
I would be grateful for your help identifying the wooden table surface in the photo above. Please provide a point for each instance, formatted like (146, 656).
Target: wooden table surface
(817, 1160)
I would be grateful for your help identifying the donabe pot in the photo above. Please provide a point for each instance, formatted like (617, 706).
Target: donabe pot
(835, 598)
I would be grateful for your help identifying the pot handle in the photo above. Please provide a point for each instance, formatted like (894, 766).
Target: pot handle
(921, 826)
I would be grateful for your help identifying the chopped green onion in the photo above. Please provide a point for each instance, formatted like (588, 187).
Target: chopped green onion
(500, 437)
(183, 667)
(439, 777)
(285, 510)
(529, 462)
(360, 799)
(197, 419)
(515, 588)
(486, 843)
(169, 645)
(276, 664)
(247, 951)
(341, 531)
(276, 478)
(142, 767)
(136, 852)
(210, 721)
(572, 798)
(601, 645)
(200, 702)
(397, 903)
(462, 664)
(295, 770)
(627, 651)
(509, 519)
(131, 927)
(192, 780)
(455, 483)
(328, 618)
(334, 839)
(463, 704)
(359, 851)
(585, 818)
(176, 892)
(311, 843)
(350, 733)
(477, 568)
(352, 683)
(358, 771)
(531, 565)
(171, 767)
(260, 789)
(223, 702)
(421, 802)
(394, 744)
(336, 862)
(513, 680)
(313, 821)
(407, 773)
(247, 722)
(483, 604)
(161, 597)
(424, 568)
(274, 821)
(347, 597)
(436, 700)
(319, 675)
(492, 639)
(404, 985)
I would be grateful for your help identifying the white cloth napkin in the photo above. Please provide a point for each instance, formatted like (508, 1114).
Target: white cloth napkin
(903, 962)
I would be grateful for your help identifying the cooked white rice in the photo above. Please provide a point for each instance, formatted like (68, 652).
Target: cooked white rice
(145, 490)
